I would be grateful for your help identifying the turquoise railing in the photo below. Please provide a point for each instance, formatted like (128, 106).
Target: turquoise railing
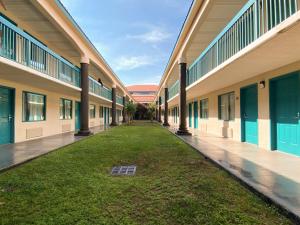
(17, 45)
(174, 89)
(120, 100)
(99, 90)
(255, 19)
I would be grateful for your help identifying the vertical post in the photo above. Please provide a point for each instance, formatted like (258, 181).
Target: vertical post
(84, 105)
(166, 115)
(182, 98)
(123, 112)
(159, 109)
(156, 110)
(114, 106)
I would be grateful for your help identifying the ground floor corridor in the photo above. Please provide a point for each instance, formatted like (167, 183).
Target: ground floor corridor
(173, 184)
(14, 154)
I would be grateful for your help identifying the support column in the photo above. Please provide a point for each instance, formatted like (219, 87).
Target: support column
(182, 99)
(123, 112)
(84, 104)
(166, 115)
(159, 110)
(114, 106)
(156, 111)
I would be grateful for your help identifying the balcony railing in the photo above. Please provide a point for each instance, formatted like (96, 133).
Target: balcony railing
(174, 89)
(120, 100)
(99, 90)
(17, 45)
(255, 19)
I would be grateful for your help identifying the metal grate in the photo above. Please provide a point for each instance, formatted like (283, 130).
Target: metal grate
(123, 170)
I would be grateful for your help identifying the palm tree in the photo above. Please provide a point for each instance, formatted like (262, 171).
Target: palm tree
(151, 110)
(130, 110)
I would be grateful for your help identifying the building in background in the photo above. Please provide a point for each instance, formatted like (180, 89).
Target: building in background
(235, 73)
(143, 94)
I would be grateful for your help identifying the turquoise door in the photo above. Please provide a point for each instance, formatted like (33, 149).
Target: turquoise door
(190, 114)
(195, 114)
(6, 115)
(77, 116)
(285, 113)
(249, 114)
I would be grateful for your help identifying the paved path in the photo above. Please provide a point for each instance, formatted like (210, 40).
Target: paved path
(274, 174)
(15, 154)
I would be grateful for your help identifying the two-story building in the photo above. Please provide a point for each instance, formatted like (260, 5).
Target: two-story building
(52, 79)
(235, 73)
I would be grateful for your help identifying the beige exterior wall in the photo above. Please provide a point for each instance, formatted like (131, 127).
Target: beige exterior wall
(25, 131)
(232, 129)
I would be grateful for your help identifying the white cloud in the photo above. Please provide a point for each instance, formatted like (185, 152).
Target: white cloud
(133, 62)
(156, 35)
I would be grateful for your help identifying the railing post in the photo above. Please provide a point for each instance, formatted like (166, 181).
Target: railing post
(256, 22)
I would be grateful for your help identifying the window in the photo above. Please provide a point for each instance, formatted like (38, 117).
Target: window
(65, 109)
(204, 109)
(101, 112)
(34, 107)
(92, 111)
(227, 106)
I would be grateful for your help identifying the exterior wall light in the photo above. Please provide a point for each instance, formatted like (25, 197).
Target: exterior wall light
(262, 84)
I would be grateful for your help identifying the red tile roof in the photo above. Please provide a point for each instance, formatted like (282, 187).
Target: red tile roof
(145, 87)
(144, 98)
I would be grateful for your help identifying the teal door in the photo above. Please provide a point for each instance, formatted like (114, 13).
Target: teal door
(195, 114)
(190, 114)
(285, 113)
(6, 115)
(249, 114)
(77, 116)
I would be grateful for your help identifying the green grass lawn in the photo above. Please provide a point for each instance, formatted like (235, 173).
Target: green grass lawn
(174, 185)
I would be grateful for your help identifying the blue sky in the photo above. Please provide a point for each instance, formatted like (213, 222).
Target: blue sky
(136, 37)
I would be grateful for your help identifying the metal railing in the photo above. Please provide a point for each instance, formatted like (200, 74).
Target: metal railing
(255, 19)
(99, 90)
(174, 89)
(120, 100)
(17, 45)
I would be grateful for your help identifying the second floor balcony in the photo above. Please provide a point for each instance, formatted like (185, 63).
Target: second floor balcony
(19, 46)
(255, 19)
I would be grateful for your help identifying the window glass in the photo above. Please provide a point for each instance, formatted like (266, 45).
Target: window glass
(204, 109)
(92, 111)
(34, 107)
(61, 109)
(227, 106)
(65, 109)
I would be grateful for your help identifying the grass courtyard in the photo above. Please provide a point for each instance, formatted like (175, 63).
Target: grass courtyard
(174, 185)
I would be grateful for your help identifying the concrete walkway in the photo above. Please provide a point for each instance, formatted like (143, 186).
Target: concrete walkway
(14, 154)
(274, 174)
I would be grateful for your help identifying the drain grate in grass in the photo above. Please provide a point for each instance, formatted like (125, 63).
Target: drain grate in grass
(123, 170)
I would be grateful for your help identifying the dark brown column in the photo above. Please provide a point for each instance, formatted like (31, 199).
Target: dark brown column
(182, 100)
(159, 110)
(123, 112)
(156, 110)
(166, 115)
(84, 104)
(114, 107)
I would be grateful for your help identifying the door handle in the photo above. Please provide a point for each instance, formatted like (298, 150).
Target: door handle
(245, 116)
(10, 118)
(298, 115)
